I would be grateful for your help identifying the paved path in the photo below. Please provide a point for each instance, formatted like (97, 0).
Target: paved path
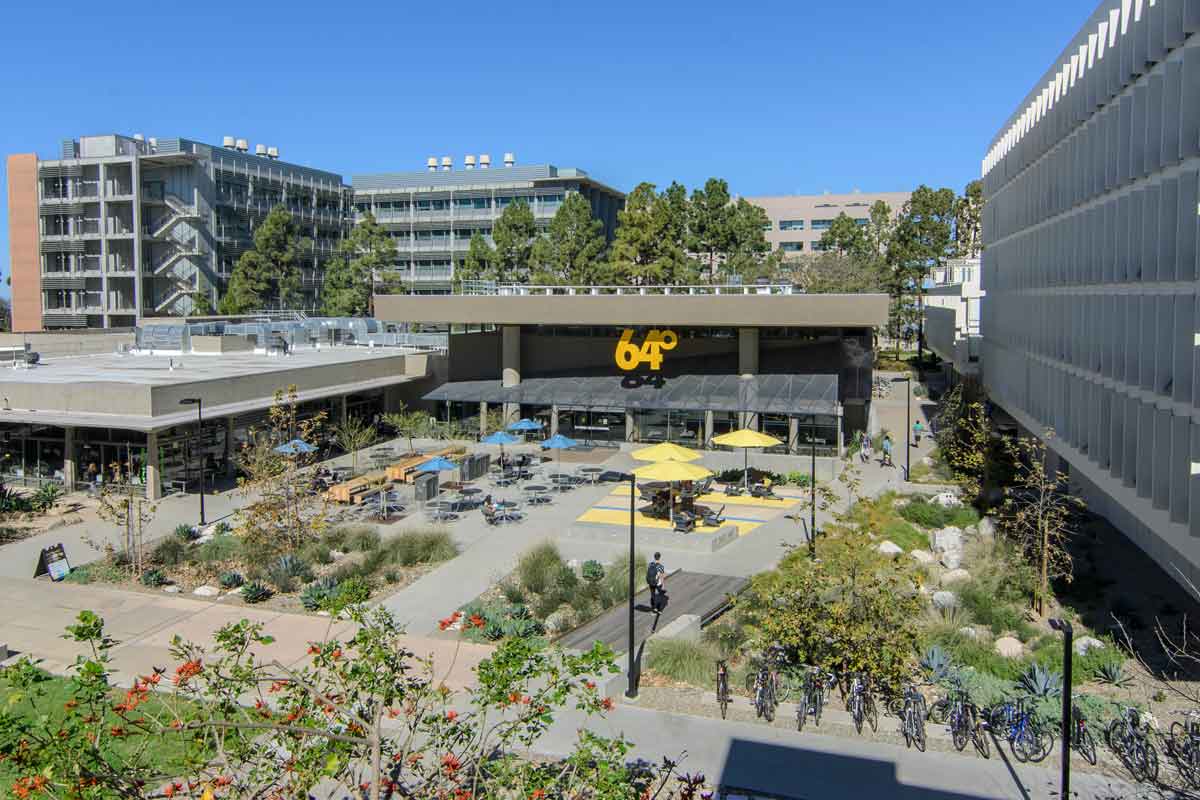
(687, 592)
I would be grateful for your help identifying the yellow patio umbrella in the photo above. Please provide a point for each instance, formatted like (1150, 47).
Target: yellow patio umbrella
(744, 440)
(672, 471)
(665, 452)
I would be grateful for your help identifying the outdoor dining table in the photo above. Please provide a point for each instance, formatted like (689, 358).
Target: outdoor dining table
(591, 472)
(563, 481)
(537, 494)
(441, 510)
(506, 510)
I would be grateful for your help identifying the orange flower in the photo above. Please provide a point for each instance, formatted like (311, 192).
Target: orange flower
(477, 621)
(313, 649)
(590, 684)
(514, 697)
(450, 763)
(538, 794)
(451, 715)
(607, 704)
(450, 620)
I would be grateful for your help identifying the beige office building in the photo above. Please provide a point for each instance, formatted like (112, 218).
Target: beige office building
(799, 220)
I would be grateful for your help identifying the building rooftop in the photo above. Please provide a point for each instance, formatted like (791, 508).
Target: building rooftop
(463, 179)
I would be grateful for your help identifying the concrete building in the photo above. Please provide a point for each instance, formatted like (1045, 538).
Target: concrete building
(649, 364)
(952, 315)
(799, 220)
(433, 214)
(122, 228)
(1090, 269)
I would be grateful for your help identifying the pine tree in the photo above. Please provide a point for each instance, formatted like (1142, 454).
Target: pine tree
(571, 250)
(709, 224)
(513, 234)
(478, 263)
(269, 274)
(348, 278)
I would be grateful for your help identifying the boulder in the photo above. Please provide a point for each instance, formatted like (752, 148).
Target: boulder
(955, 576)
(560, 621)
(927, 461)
(206, 591)
(923, 556)
(946, 500)
(1009, 647)
(987, 528)
(952, 559)
(172, 589)
(944, 599)
(1084, 644)
(968, 631)
(948, 538)
(889, 549)
(323, 613)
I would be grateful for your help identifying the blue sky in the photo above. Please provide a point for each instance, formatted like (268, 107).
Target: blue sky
(775, 97)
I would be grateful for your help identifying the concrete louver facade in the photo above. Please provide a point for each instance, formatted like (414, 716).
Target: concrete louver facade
(1090, 268)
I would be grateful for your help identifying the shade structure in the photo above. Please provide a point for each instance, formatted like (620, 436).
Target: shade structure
(672, 471)
(295, 447)
(500, 438)
(559, 442)
(438, 464)
(525, 425)
(666, 451)
(745, 439)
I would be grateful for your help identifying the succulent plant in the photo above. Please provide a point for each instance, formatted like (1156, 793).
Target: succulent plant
(493, 631)
(231, 580)
(222, 529)
(153, 577)
(592, 571)
(1113, 673)
(1039, 681)
(316, 593)
(186, 533)
(255, 592)
(936, 663)
(285, 571)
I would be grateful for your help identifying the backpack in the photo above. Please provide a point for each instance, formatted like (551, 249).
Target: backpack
(652, 570)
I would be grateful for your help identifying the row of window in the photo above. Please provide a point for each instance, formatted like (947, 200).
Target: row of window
(405, 206)
(817, 224)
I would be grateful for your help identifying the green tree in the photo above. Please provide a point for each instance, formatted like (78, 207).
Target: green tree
(671, 208)
(477, 265)
(646, 249)
(881, 223)
(572, 249)
(964, 437)
(201, 303)
(709, 225)
(920, 243)
(349, 277)
(831, 272)
(749, 254)
(968, 221)
(268, 275)
(513, 234)
(354, 435)
(845, 237)
(410, 424)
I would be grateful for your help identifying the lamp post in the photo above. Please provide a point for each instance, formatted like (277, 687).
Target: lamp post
(1068, 633)
(812, 487)
(199, 404)
(907, 381)
(631, 691)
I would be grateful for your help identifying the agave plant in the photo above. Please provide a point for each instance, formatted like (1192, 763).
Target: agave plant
(231, 580)
(255, 592)
(1040, 681)
(936, 663)
(316, 593)
(1113, 673)
(153, 577)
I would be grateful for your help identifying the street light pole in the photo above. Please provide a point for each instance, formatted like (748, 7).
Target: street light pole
(632, 691)
(1068, 633)
(812, 487)
(907, 425)
(199, 404)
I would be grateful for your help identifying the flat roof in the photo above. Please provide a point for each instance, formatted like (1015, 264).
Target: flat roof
(142, 392)
(749, 311)
(466, 179)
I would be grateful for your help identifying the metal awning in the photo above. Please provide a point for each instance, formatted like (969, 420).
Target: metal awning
(765, 394)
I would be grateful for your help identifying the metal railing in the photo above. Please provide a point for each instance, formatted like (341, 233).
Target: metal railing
(522, 290)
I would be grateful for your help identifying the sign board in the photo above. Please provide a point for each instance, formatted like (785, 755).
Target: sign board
(53, 562)
(630, 356)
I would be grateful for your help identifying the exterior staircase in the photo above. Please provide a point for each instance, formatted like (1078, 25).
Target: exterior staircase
(180, 212)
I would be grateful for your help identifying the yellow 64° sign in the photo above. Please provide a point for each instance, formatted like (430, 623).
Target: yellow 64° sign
(629, 356)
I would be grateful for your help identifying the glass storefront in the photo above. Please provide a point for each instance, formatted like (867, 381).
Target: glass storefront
(593, 426)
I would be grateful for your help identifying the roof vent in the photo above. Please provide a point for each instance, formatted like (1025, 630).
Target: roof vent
(242, 145)
(469, 162)
(153, 143)
(509, 159)
(431, 163)
(485, 161)
(228, 141)
(447, 163)
(272, 152)
(260, 150)
(137, 137)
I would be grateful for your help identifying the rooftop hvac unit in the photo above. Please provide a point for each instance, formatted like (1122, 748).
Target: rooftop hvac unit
(431, 162)
(260, 150)
(447, 163)
(228, 141)
(272, 152)
(509, 159)
(485, 161)
(469, 162)
(137, 137)
(242, 145)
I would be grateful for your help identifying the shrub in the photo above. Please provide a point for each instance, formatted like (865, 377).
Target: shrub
(921, 512)
(106, 570)
(616, 582)
(905, 536)
(231, 580)
(962, 517)
(255, 592)
(391, 576)
(222, 547)
(186, 533)
(539, 566)
(169, 553)
(999, 614)
(727, 637)
(335, 538)
(45, 497)
(985, 689)
(798, 479)
(421, 546)
(154, 577)
(222, 528)
(683, 661)
(592, 571)
(314, 596)
(351, 592)
(566, 582)
(363, 539)
(512, 592)
(980, 656)
(317, 553)
(286, 570)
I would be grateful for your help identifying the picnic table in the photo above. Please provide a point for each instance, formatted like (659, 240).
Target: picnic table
(536, 494)
(405, 469)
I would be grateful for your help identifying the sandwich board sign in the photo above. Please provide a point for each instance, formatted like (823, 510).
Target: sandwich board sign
(53, 562)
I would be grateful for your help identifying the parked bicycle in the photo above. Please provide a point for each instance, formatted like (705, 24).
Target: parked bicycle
(962, 717)
(723, 695)
(812, 695)
(860, 702)
(766, 685)
(912, 717)
(1028, 738)
(1128, 737)
(1184, 747)
(1081, 735)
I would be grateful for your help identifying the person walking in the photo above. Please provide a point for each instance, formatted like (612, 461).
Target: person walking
(886, 461)
(918, 429)
(656, 579)
(864, 447)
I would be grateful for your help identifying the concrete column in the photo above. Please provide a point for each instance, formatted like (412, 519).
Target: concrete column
(554, 420)
(229, 467)
(708, 427)
(793, 433)
(630, 427)
(747, 351)
(510, 363)
(153, 481)
(342, 411)
(841, 441)
(483, 409)
(69, 466)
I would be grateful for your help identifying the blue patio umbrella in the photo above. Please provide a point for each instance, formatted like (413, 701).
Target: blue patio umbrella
(559, 442)
(501, 438)
(525, 425)
(438, 464)
(294, 447)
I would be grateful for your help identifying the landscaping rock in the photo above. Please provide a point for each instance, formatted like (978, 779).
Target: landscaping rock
(206, 591)
(1084, 644)
(948, 538)
(889, 549)
(968, 632)
(323, 613)
(1009, 647)
(952, 560)
(945, 599)
(923, 556)
(560, 621)
(927, 461)
(946, 500)
(172, 589)
(955, 576)
(336, 554)
(987, 527)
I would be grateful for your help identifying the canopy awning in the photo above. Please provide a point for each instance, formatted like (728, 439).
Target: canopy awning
(764, 394)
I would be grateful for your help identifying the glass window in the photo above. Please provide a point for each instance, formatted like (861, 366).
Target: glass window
(791, 247)
(821, 224)
(860, 221)
(791, 224)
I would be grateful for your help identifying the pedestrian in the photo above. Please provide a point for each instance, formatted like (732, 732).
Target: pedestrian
(886, 461)
(864, 447)
(656, 579)
(918, 429)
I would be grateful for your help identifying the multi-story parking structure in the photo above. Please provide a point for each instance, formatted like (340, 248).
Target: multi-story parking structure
(121, 228)
(1090, 269)
(433, 214)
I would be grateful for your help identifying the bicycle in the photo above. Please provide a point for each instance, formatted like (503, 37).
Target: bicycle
(861, 703)
(1128, 738)
(962, 717)
(765, 684)
(1184, 747)
(1027, 738)
(812, 695)
(723, 695)
(1081, 736)
(912, 718)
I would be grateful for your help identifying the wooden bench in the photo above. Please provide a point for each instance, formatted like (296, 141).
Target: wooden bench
(405, 470)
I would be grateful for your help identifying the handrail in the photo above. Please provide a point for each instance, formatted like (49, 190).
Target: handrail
(522, 290)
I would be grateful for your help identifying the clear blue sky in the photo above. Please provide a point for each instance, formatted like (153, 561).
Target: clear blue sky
(775, 97)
